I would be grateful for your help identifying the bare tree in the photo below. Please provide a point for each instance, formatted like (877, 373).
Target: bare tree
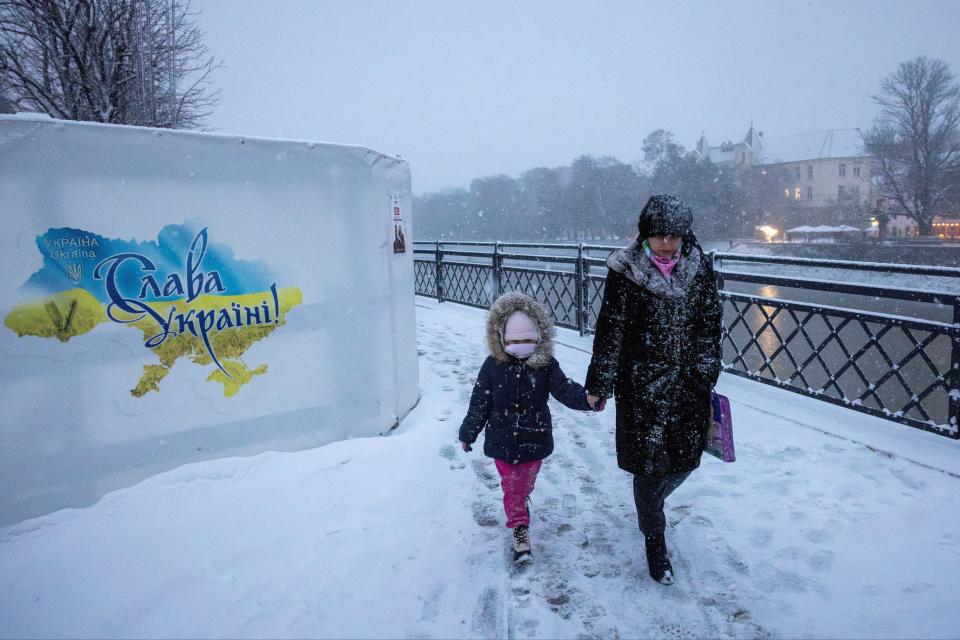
(915, 141)
(658, 146)
(140, 62)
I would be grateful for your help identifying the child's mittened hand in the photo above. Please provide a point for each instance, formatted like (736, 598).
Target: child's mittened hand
(465, 446)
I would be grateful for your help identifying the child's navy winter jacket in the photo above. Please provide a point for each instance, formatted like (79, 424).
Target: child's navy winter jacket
(510, 396)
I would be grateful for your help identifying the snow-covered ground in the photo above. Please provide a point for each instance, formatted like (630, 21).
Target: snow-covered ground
(830, 524)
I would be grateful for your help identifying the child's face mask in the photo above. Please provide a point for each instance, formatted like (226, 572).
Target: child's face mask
(521, 350)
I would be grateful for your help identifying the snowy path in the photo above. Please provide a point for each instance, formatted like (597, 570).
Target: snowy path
(817, 530)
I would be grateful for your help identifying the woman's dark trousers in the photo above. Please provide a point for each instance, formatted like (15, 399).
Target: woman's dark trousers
(650, 494)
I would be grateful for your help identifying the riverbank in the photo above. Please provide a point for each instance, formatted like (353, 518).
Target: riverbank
(934, 254)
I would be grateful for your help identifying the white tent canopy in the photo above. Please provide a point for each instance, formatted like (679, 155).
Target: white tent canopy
(824, 229)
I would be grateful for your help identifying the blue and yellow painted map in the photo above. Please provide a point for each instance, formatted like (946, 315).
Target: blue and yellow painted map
(189, 297)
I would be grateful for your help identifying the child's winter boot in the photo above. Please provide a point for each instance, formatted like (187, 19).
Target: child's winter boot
(657, 559)
(521, 543)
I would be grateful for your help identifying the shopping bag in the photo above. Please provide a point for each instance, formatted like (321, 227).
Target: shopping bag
(719, 441)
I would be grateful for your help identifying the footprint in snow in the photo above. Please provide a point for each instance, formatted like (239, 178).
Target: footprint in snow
(448, 451)
(701, 521)
(565, 600)
(484, 474)
(819, 535)
(593, 568)
(678, 513)
(821, 560)
(430, 610)
(733, 559)
(708, 492)
(791, 452)
(486, 615)
(761, 537)
(907, 481)
(764, 514)
(916, 587)
(770, 579)
(789, 553)
(596, 532)
(947, 540)
(485, 514)
(675, 631)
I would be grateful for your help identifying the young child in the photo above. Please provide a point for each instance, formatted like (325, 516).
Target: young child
(510, 400)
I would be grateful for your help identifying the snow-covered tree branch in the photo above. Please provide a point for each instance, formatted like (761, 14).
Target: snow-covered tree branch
(140, 62)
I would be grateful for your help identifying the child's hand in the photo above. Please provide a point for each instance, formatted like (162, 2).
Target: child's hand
(465, 446)
(596, 402)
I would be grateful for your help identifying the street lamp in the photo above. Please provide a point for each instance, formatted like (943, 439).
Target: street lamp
(769, 232)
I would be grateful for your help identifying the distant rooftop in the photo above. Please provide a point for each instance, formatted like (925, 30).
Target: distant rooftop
(756, 149)
(815, 145)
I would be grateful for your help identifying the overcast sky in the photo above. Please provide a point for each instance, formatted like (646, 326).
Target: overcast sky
(465, 90)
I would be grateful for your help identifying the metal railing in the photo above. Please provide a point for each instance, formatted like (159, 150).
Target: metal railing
(890, 365)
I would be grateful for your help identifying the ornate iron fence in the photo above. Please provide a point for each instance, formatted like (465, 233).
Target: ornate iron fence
(905, 369)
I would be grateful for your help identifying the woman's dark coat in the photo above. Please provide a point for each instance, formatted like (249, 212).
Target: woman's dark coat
(510, 396)
(657, 350)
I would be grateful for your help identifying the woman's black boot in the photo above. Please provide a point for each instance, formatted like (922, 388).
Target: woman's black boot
(657, 559)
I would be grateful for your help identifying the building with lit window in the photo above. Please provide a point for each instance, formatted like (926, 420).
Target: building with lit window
(900, 226)
(897, 226)
(946, 228)
(821, 173)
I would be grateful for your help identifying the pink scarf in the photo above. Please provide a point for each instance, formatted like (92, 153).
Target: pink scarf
(665, 265)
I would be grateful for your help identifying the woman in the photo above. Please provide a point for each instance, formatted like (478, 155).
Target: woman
(657, 350)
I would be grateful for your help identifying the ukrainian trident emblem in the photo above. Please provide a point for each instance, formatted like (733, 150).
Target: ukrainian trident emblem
(75, 271)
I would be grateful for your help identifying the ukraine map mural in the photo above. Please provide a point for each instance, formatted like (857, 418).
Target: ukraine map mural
(188, 297)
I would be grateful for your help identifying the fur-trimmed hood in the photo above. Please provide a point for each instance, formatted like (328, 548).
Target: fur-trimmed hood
(502, 308)
(633, 263)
